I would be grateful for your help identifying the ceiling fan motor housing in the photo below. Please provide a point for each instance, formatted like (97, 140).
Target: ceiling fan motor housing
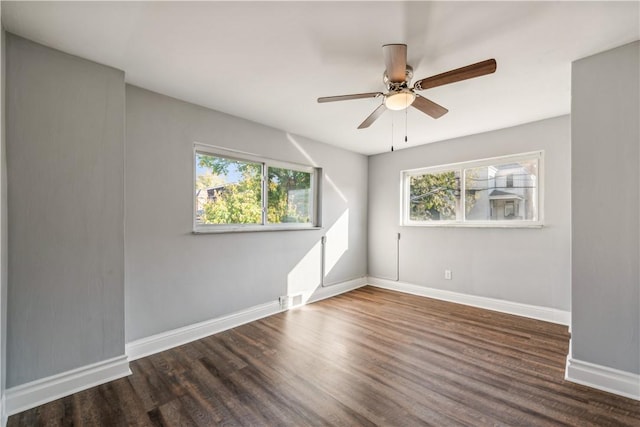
(398, 85)
(399, 96)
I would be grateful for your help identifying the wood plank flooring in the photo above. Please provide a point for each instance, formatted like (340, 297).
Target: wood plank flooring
(368, 357)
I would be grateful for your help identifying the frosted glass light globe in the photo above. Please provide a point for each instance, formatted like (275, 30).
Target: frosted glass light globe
(399, 100)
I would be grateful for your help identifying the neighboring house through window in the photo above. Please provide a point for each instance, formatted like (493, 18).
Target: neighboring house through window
(501, 191)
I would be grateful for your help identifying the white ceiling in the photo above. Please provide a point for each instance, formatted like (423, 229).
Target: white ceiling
(269, 61)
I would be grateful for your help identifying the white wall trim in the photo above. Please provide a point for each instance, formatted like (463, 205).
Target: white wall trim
(332, 290)
(3, 413)
(532, 311)
(603, 378)
(35, 393)
(165, 340)
(32, 394)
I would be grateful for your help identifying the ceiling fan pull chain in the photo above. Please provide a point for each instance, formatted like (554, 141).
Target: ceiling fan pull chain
(392, 133)
(405, 124)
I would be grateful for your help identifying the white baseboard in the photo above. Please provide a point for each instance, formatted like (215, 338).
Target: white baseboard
(336, 289)
(603, 378)
(163, 341)
(38, 392)
(32, 394)
(3, 413)
(175, 337)
(532, 311)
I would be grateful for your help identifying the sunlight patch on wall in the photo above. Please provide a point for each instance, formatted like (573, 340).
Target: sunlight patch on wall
(304, 278)
(335, 187)
(337, 242)
(308, 274)
(306, 155)
(301, 150)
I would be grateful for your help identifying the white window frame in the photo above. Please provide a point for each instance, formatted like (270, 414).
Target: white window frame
(461, 167)
(314, 208)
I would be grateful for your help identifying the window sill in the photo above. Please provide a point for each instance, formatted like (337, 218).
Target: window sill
(479, 225)
(250, 229)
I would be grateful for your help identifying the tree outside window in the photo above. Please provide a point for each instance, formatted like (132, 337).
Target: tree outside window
(230, 191)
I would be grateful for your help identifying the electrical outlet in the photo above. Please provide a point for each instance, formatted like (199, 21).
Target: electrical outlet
(447, 274)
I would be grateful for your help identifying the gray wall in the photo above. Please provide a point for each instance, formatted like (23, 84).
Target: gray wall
(65, 128)
(528, 266)
(605, 201)
(175, 278)
(3, 228)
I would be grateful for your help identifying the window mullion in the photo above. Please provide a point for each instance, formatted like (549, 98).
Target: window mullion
(462, 196)
(312, 206)
(265, 192)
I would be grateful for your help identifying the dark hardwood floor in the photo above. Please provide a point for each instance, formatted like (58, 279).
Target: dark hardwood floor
(368, 357)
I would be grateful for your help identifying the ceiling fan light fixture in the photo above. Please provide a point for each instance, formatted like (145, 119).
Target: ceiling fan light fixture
(399, 100)
(397, 77)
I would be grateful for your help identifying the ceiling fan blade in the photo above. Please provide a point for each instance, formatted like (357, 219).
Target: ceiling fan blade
(428, 107)
(373, 117)
(347, 97)
(459, 74)
(395, 61)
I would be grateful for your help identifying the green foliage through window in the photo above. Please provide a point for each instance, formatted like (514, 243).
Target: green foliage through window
(289, 196)
(502, 190)
(433, 196)
(230, 191)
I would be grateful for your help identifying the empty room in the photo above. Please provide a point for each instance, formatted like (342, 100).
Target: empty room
(299, 213)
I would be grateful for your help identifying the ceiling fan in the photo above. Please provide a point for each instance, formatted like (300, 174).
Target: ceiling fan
(400, 96)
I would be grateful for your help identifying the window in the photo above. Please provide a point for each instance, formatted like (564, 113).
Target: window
(502, 191)
(290, 196)
(434, 196)
(510, 180)
(242, 192)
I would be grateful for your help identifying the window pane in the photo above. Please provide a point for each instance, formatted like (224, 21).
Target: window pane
(502, 192)
(289, 196)
(228, 191)
(434, 196)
